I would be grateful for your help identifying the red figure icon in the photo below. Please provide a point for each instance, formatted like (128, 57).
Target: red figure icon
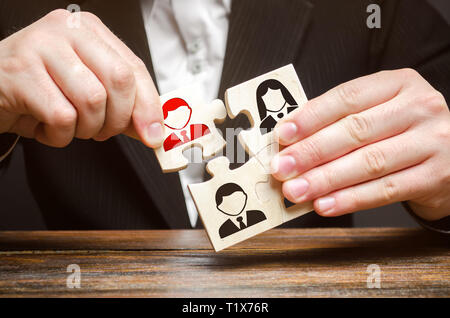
(177, 114)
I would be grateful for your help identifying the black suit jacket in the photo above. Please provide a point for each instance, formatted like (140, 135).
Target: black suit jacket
(229, 227)
(118, 183)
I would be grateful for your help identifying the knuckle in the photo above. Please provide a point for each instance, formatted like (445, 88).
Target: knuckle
(137, 62)
(355, 200)
(14, 65)
(90, 22)
(122, 77)
(96, 100)
(311, 110)
(433, 103)
(436, 203)
(311, 150)
(442, 133)
(389, 189)
(375, 162)
(63, 118)
(408, 73)
(90, 17)
(349, 95)
(358, 127)
(328, 179)
(57, 15)
(37, 36)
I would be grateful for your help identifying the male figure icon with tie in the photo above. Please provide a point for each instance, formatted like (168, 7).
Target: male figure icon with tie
(177, 114)
(231, 200)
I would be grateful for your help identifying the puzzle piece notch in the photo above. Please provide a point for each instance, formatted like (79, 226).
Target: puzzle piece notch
(216, 110)
(274, 189)
(264, 194)
(266, 154)
(264, 157)
(245, 97)
(221, 165)
(170, 155)
(245, 177)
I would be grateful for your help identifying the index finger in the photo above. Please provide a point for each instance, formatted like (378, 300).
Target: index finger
(147, 117)
(343, 100)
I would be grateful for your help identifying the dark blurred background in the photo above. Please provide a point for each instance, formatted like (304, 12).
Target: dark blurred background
(18, 211)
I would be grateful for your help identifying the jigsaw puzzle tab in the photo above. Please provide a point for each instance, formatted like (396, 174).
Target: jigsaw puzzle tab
(265, 100)
(228, 205)
(189, 122)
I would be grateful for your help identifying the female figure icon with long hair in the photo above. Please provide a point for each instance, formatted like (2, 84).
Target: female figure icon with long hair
(274, 102)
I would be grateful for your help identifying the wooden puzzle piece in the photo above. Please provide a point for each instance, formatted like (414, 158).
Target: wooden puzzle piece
(273, 189)
(189, 122)
(238, 204)
(229, 206)
(265, 100)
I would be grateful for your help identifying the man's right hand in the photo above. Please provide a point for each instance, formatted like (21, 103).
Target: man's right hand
(57, 83)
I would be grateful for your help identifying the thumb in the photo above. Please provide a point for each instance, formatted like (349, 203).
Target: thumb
(147, 119)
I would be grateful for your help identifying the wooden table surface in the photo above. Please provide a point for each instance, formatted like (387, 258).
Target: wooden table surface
(181, 263)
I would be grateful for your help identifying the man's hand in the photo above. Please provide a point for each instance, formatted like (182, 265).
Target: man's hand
(369, 142)
(57, 83)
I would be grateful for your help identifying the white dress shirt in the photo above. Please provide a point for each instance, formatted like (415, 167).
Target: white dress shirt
(187, 42)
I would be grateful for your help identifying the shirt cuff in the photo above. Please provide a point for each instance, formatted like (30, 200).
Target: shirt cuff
(441, 226)
(7, 144)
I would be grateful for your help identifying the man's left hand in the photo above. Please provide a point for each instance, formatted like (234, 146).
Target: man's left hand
(369, 142)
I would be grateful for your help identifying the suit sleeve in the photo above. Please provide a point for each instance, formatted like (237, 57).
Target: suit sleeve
(7, 144)
(415, 35)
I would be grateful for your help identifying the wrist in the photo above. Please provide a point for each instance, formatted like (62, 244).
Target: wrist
(7, 143)
(441, 226)
(429, 213)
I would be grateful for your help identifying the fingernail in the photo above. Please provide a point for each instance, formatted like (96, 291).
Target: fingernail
(297, 187)
(283, 166)
(326, 204)
(286, 132)
(155, 134)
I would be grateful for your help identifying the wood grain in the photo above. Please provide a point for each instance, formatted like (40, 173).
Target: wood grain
(181, 263)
